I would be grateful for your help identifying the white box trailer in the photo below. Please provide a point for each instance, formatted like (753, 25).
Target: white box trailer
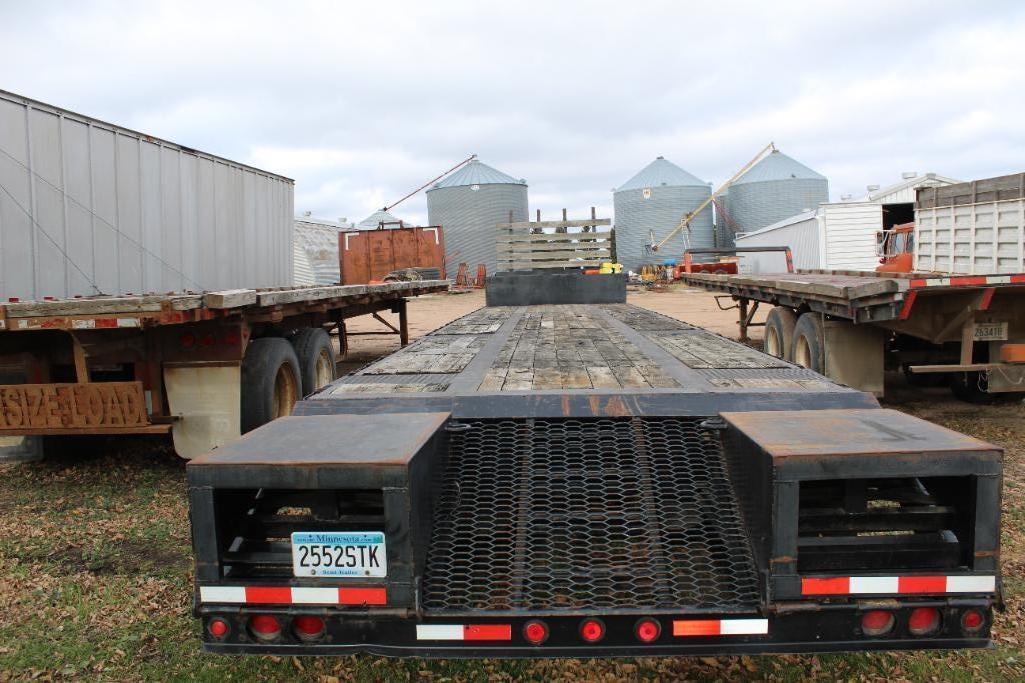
(145, 289)
(975, 228)
(89, 208)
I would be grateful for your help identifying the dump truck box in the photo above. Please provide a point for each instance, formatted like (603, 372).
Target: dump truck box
(593, 480)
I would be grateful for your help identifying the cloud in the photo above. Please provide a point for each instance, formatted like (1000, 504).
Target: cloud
(362, 102)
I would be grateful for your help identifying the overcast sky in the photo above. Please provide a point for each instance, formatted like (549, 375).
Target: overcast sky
(361, 102)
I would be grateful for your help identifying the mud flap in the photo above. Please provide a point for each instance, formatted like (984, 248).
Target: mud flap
(206, 400)
(854, 355)
(15, 449)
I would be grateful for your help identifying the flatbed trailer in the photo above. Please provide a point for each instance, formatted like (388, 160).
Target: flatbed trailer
(968, 330)
(592, 481)
(203, 367)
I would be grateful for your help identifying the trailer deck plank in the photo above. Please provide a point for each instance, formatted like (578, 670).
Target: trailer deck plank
(149, 309)
(846, 285)
(612, 348)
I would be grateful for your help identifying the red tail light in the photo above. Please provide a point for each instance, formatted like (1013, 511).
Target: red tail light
(187, 340)
(592, 630)
(647, 630)
(972, 621)
(877, 622)
(535, 632)
(265, 627)
(218, 628)
(924, 621)
(308, 627)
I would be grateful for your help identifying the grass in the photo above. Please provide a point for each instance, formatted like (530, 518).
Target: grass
(95, 582)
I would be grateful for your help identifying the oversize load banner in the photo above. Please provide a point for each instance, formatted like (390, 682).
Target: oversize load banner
(53, 406)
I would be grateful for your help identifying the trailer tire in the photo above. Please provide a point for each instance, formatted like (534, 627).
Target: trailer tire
(779, 332)
(316, 356)
(808, 343)
(271, 382)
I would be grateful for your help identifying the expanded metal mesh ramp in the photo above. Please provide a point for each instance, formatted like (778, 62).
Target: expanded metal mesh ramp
(562, 515)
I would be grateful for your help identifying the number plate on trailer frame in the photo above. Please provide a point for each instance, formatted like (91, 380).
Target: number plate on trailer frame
(352, 554)
(990, 331)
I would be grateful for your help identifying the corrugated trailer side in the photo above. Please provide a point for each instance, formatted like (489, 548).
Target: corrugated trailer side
(88, 207)
(975, 228)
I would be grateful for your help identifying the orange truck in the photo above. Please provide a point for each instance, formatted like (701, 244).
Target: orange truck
(896, 249)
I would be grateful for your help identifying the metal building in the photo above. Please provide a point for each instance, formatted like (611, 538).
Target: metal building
(468, 205)
(777, 187)
(654, 201)
(837, 235)
(316, 255)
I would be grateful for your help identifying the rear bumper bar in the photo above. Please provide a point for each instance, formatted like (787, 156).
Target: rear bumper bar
(827, 630)
(596, 651)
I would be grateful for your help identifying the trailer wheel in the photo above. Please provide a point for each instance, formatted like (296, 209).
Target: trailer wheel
(809, 342)
(316, 357)
(270, 381)
(779, 332)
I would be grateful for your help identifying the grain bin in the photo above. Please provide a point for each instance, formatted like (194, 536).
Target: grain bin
(777, 187)
(654, 201)
(88, 207)
(468, 205)
(379, 217)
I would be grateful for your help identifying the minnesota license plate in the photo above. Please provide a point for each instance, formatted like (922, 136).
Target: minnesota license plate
(990, 331)
(338, 553)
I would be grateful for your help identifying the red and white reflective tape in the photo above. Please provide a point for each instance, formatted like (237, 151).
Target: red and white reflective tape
(896, 585)
(293, 595)
(93, 323)
(464, 631)
(967, 281)
(720, 627)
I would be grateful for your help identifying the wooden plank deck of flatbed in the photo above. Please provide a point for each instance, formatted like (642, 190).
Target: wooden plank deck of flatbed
(835, 284)
(174, 308)
(576, 349)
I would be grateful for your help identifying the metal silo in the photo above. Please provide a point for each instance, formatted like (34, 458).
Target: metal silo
(777, 187)
(654, 201)
(468, 205)
(379, 217)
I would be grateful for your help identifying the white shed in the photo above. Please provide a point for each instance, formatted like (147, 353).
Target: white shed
(837, 235)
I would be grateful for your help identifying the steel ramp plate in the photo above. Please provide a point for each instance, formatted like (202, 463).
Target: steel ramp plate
(559, 515)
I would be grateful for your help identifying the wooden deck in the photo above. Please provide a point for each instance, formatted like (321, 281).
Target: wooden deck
(99, 312)
(598, 348)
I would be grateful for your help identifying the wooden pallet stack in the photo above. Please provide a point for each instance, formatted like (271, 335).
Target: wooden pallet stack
(530, 245)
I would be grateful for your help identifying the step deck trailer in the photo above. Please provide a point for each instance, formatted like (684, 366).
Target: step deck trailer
(593, 480)
(203, 367)
(853, 325)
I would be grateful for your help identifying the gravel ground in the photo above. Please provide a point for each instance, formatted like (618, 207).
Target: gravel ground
(95, 564)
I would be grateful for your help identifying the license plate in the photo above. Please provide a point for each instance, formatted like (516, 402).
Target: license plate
(338, 553)
(990, 331)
